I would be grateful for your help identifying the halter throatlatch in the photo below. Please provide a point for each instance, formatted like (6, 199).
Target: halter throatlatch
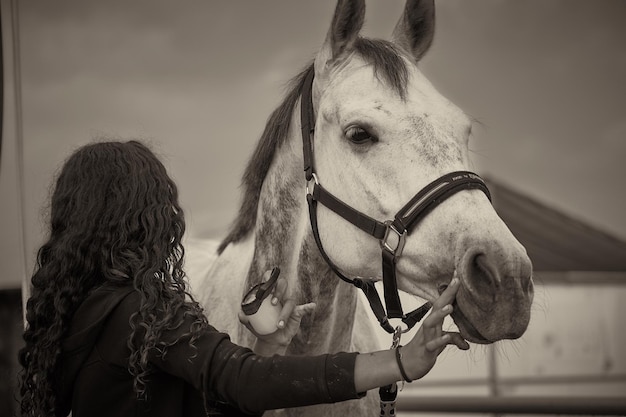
(391, 234)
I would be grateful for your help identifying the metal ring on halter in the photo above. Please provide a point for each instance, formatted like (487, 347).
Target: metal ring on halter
(397, 334)
(384, 244)
(398, 331)
(315, 180)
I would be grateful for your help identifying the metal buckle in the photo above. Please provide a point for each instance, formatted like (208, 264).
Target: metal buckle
(399, 246)
(315, 180)
(397, 334)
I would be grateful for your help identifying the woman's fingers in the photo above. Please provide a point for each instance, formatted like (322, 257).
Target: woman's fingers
(438, 343)
(294, 319)
(288, 306)
(293, 312)
(289, 309)
(436, 317)
(443, 305)
(441, 308)
(279, 290)
(457, 340)
(433, 323)
(301, 310)
(448, 338)
(436, 338)
(448, 295)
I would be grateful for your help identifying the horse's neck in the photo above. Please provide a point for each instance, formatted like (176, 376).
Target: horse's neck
(329, 328)
(283, 238)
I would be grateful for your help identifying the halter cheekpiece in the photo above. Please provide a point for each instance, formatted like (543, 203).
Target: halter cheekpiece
(391, 233)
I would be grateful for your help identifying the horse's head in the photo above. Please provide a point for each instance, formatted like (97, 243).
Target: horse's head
(382, 133)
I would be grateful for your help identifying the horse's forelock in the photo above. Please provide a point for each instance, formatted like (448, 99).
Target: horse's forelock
(388, 65)
(387, 62)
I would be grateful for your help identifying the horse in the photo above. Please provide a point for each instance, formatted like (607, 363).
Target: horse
(375, 132)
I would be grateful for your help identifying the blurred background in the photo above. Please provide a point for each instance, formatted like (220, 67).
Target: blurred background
(197, 79)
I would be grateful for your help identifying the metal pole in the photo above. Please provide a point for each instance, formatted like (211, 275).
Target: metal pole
(1, 88)
(19, 145)
(494, 389)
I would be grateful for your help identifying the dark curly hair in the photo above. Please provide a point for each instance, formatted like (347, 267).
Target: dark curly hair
(114, 217)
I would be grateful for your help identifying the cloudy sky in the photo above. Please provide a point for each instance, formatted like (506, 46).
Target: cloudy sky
(198, 79)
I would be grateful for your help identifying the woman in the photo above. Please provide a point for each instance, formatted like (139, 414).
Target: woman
(113, 330)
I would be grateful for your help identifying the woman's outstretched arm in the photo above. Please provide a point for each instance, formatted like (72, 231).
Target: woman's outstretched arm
(253, 383)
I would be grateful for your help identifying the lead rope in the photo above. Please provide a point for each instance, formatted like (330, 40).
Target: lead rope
(388, 393)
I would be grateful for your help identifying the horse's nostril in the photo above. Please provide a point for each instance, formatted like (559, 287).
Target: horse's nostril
(442, 288)
(527, 284)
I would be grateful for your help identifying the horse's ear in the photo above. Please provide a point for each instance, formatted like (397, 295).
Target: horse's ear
(344, 31)
(416, 27)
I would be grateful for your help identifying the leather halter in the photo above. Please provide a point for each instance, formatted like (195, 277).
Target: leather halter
(415, 210)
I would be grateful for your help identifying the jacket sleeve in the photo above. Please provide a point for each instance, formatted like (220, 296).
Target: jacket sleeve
(228, 373)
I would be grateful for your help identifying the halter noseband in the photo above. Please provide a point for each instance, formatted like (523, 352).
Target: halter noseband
(415, 210)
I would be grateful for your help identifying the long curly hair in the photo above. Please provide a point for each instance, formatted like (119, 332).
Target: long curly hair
(114, 217)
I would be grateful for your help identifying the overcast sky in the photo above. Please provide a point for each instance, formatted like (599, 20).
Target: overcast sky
(199, 78)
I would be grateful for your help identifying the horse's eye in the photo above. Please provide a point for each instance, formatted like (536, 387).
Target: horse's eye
(359, 136)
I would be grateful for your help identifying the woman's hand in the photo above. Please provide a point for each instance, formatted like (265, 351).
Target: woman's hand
(420, 354)
(288, 322)
(417, 358)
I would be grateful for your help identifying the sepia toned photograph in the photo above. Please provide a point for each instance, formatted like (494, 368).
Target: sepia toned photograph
(313, 208)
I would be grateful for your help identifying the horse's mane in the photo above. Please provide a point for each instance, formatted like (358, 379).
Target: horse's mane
(388, 66)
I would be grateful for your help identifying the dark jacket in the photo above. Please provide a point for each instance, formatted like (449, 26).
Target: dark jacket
(217, 378)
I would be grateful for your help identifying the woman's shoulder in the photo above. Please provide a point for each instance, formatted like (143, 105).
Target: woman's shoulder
(95, 310)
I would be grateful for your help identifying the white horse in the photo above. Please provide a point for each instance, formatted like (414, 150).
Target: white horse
(382, 133)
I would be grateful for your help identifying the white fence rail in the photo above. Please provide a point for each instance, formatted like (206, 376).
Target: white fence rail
(515, 405)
